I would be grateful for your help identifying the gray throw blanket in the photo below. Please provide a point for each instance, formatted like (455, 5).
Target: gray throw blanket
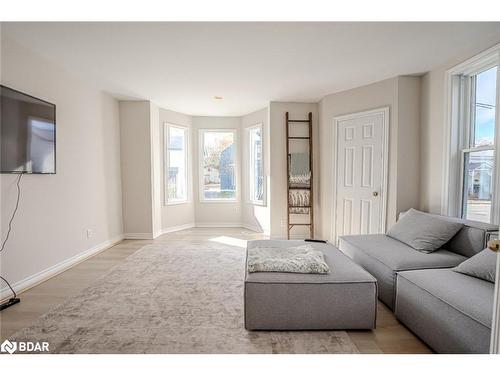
(298, 259)
(299, 164)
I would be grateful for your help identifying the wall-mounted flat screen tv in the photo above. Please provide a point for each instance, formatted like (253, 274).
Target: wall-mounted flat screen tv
(27, 133)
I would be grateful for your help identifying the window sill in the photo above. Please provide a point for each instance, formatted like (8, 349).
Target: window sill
(175, 203)
(257, 203)
(219, 201)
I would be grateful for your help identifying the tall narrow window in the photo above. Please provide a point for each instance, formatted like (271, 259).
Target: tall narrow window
(218, 165)
(176, 166)
(479, 151)
(256, 167)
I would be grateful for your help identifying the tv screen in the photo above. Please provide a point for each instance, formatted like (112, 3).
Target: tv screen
(27, 133)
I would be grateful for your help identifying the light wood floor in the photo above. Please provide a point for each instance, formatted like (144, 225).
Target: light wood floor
(389, 337)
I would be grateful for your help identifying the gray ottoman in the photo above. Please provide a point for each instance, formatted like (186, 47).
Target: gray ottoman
(346, 298)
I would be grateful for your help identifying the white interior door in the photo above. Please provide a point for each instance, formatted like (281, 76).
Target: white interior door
(360, 176)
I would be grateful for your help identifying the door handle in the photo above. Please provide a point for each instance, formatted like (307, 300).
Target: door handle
(494, 245)
(375, 193)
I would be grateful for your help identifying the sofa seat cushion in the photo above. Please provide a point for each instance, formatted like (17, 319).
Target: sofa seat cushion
(383, 256)
(399, 256)
(342, 269)
(468, 295)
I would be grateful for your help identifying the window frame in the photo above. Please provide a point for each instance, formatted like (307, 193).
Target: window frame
(166, 137)
(251, 187)
(458, 133)
(201, 185)
(467, 123)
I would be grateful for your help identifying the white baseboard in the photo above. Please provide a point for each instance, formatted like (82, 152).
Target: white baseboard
(211, 225)
(139, 236)
(219, 225)
(39, 277)
(149, 236)
(231, 225)
(177, 228)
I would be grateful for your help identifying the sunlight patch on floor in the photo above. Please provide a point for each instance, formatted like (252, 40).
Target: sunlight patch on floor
(231, 241)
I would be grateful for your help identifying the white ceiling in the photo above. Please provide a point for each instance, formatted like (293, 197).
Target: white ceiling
(182, 66)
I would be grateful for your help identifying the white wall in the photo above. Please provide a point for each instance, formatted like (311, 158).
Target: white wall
(177, 215)
(403, 144)
(432, 129)
(278, 165)
(142, 163)
(56, 210)
(156, 168)
(256, 217)
(408, 152)
(216, 213)
(136, 168)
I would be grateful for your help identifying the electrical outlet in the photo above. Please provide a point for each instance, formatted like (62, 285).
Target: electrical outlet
(90, 233)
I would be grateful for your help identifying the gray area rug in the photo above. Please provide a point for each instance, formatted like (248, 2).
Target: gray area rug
(177, 297)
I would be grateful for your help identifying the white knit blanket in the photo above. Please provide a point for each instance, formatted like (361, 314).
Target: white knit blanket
(298, 259)
(304, 178)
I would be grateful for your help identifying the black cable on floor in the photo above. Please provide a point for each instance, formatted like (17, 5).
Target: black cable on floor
(10, 226)
(6, 282)
(13, 213)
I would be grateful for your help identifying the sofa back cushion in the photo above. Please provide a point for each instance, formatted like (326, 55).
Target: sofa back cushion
(423, 232)
(471, 239)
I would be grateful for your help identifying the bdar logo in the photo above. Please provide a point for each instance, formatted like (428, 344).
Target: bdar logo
(9, 347)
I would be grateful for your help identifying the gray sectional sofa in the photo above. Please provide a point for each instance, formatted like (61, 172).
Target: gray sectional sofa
(450, 311)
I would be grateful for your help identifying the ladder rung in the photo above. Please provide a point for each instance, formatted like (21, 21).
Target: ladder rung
(298, 120)
(299, 188)
(298, 224)
(299, 137)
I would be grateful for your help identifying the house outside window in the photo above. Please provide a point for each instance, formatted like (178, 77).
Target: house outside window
(218, 180)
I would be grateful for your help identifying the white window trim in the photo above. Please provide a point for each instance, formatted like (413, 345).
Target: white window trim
(202, 198)
(252, 201)
(166, 140)
(455, 138)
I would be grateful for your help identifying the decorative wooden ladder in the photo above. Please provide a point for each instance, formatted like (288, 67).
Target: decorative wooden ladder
(310, 206)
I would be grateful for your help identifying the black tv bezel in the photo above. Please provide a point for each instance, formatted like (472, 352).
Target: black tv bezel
(55, 135)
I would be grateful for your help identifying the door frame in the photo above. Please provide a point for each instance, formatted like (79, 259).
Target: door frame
(495, 328)
(385, 164)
